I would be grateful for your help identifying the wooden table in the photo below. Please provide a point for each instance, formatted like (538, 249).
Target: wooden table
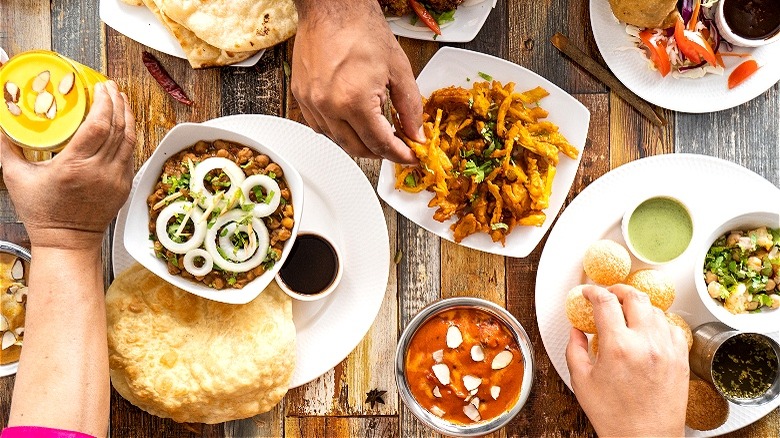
(429, 268)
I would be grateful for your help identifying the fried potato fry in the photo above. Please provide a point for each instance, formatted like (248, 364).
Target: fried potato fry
(489, 159)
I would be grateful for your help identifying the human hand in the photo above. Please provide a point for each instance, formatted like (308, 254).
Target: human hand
(345, 58)
(638, 383)
(68, 201)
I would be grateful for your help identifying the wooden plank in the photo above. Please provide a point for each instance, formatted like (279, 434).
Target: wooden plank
(269, 424)
(333, 427)
(632, 136)
(258, 89)
(552, 407)
(78, 33)
(530, 26)
(748, 134)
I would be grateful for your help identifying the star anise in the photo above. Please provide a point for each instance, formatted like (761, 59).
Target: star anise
(375, 396)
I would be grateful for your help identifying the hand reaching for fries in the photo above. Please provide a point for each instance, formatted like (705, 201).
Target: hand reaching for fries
(638, 384)
(344, 61)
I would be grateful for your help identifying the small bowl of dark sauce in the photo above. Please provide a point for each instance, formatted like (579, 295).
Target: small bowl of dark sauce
(313, 269)
(749, 23)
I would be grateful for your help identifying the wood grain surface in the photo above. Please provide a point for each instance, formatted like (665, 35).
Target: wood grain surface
(425, 268)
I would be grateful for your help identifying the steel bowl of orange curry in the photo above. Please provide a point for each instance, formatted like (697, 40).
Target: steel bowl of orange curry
(464, 366)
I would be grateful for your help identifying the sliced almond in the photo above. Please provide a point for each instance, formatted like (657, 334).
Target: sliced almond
(438, 355)
(471, 383)
(436, 392)
(474, 391)
(43, 102)
(14, 109)
(8, 340)
(11, 92)
(52, 112)
(442, 372)
(21, 294)
(494, 391)
(437, 411)
(13, 288)
(66, 84)
(41, 81)
(454, 337)
(475, 402)
(17, 270)
(477, 355)
(19, 331)
(471, 412)
(502, 360)
(3, 324)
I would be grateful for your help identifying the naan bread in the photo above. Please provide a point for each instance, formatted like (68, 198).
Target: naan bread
(235, 25)
(199, 53)
(179, 356)
(660, 14)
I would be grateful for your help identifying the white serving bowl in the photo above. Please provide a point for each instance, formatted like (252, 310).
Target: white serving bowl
(136, 237)
(766, 321)
(627, 218)
(733, 38)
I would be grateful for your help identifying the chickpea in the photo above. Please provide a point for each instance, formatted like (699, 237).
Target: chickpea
(754, 264)
(733, 238)
(262, 161)
(287, 211)
(201, 147)
(244, 155)
(770, 285)
(189, 156)
(714, 289)
(752, 305)
(218, 283)
(258, 271)
(221, 144)
(158, 246)
(250, 276)
(281, 235)
(709, 277)
(775, 301)
(287, 223)
(223, 153)
(286, 194)
(272, 223)
(273, 167)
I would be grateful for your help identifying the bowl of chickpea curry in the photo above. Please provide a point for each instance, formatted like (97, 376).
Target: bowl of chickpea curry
(215, 213)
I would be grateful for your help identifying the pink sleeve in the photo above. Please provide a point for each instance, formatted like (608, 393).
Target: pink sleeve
(40, 432)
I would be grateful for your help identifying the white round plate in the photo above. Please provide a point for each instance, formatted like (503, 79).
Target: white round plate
(341, 204)
(701, 95)
(714, 190)
(469, 18)
(459, 67)
(139, 23)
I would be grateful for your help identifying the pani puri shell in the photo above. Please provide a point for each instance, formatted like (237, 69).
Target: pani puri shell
(675, 319)
(657, 285)
(707, 409)
(580, 311)
(606, 262)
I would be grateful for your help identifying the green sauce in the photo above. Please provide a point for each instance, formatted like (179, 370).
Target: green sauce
(660, 229)
(745, 366)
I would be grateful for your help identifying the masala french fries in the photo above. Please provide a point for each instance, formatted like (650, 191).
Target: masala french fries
(489, 160)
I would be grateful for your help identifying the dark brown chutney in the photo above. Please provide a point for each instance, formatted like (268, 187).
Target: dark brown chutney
(175, 178)
(745, 366)
(753, 19)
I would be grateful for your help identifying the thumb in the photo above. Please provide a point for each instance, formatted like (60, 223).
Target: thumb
(11, 155)
(407, 101)
(577, 356)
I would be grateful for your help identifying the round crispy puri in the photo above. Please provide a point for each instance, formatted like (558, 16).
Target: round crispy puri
(179, 356)
(580, 311)
(675, 319)
(657, 285)
(594, 345)
(606, 262)
(707, 409)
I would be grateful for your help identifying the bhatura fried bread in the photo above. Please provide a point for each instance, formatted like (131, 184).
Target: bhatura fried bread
(236, 25)
(199, 53)
(660, 14)
(179, 356)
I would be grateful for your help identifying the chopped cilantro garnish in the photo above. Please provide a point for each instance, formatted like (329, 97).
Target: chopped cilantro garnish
(410, 180)
(478, 172)
(272, 175)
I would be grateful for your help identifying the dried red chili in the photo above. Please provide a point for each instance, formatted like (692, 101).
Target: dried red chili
(165, 80)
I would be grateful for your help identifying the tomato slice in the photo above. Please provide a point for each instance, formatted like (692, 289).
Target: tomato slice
(425, 16)
(742, 72)
(693, 45)
(657, 52)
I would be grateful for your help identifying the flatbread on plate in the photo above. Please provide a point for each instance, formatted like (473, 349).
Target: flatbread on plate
(180, 356)
(199, 53)
(237, 25)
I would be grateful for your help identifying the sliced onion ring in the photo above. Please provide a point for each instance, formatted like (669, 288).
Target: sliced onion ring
(237, 254)
(189, 262)
(263, 242)
(175, 209)
(231, 169)
(268, 184)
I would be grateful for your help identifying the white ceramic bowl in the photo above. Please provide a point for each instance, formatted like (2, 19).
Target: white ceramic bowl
(136, 237)
(730, 36)
(627, 217)
(766, 321)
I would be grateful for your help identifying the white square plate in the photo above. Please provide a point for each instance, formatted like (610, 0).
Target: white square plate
(139, 23)
(450, 66)
(469, 19)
